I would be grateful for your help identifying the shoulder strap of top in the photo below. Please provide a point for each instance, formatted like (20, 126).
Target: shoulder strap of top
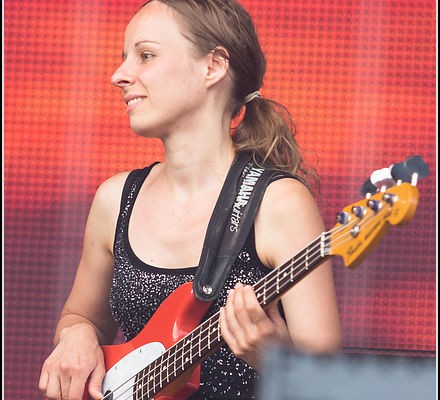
(281, 175)
(131, 188)
(135, 176)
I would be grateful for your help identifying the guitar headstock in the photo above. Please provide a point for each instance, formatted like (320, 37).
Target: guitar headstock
(362, 225)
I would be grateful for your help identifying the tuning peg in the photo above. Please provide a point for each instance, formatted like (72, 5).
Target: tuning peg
(400, 172)
(368, 188)
(417, 167)
(382, 179)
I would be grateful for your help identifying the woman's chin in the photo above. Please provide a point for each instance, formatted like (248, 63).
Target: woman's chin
(144, 131)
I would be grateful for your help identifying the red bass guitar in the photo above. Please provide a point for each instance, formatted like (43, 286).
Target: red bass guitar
(163, 361)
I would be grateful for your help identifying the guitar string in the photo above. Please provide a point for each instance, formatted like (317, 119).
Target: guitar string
(212, 322)
(281, 281)
(176, 359)
(183, 358)
(308, 252)
(209, 322)
(210, 326)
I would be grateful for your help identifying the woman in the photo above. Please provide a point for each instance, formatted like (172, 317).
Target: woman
(189, 67)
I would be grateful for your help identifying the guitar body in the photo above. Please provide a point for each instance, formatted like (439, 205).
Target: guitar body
(178, 315)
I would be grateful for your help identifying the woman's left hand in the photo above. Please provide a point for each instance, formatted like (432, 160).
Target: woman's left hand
(248, 329)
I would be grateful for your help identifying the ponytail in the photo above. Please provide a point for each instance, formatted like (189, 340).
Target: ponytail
(266, 130)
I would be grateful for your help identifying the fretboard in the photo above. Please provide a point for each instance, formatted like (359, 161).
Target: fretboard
(206, 338)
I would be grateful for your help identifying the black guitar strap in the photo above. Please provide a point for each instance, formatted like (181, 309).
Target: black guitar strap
(230, 224)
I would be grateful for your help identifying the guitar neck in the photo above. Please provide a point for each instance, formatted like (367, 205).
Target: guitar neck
(280, 280)
(206, 338)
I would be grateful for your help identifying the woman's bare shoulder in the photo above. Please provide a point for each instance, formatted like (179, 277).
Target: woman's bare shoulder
(288, 219)
(106, 202)
(109, 192)
(286, 196)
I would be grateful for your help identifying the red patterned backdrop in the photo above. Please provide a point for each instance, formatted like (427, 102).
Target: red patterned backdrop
(359, 78)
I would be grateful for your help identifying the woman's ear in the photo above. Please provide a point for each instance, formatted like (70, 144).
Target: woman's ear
(218, 66)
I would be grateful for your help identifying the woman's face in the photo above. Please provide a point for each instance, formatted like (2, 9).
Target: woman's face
(161, 78)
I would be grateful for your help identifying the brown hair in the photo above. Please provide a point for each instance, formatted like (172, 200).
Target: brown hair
(265, 127)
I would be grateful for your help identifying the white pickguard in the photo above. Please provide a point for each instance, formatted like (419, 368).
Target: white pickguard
(120, 379)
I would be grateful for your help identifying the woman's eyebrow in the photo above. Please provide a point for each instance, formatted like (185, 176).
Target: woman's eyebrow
(137, 44)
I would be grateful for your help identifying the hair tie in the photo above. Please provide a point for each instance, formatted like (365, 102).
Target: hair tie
(251, 96)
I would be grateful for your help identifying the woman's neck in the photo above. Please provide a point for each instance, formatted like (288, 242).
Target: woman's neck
(199, 163)
(198, 157)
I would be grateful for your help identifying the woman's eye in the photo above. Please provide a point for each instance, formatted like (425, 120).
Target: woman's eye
(146, 56)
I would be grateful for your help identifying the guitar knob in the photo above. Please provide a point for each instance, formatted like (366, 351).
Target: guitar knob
(342, 217)
(368, 188)
(400, 173)
(389, 198)
(382, 179)
(358, 211)
(417, 167)
(375, 205)
(416, 164)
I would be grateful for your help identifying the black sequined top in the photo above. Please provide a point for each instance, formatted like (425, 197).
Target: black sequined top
(138, 289)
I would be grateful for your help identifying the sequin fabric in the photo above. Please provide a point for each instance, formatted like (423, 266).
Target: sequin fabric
(138, 290)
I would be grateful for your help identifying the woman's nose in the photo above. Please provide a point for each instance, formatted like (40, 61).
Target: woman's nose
(121, 78)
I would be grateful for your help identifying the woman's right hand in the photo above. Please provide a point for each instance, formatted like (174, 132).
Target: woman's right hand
(77, 357)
